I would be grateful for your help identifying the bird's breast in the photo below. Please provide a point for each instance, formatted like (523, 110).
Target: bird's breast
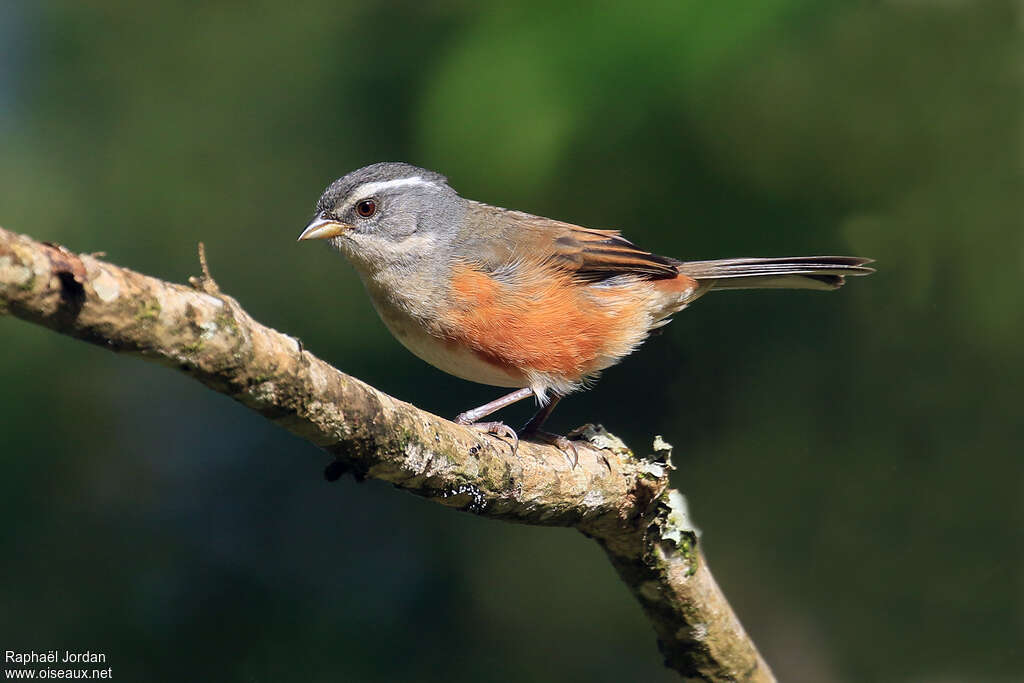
(447, 354)
(543, 324)
(412, 317)
(529, 326)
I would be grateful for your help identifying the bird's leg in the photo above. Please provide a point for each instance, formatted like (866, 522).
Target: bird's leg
(533, 429)
(541, 416)
(470, 417)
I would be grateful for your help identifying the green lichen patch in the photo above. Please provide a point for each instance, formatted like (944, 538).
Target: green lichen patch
(686, 548)
(676, 528)
(192, 348)
(148, 310)
(28, 283)
(226, 321)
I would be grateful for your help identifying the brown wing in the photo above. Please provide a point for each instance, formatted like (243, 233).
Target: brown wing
(591, 254)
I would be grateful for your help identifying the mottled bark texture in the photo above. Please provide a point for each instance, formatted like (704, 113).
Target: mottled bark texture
(619, 499)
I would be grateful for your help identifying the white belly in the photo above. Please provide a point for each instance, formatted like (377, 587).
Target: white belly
(453, 358)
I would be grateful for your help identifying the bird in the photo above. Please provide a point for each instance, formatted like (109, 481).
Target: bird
(510, 299)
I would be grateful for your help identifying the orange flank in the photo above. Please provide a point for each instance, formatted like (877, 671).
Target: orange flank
(540, 319)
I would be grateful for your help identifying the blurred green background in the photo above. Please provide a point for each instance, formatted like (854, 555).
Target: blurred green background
(854, 458)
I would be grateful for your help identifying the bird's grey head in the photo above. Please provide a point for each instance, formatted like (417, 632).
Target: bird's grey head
(387, 214)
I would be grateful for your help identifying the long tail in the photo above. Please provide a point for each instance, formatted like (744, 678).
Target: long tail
(800, 272)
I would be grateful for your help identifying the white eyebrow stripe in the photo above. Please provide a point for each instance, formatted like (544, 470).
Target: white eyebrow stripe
(369, 189)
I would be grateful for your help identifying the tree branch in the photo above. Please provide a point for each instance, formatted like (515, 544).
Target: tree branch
(620, 500)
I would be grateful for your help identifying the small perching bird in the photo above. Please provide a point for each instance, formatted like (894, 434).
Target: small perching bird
(510, 299)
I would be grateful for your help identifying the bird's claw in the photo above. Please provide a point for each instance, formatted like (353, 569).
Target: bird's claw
(498, 429)
(501, 429)
(560, 442)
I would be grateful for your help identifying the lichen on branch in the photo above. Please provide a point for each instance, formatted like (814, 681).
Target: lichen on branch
(620, 500)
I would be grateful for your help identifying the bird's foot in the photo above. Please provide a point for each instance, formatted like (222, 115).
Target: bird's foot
(499, 429)
(560, 442)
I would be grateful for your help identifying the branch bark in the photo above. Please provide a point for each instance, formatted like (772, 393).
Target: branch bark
(620, 500)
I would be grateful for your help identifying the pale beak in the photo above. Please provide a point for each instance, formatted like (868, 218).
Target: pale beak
(322, 227)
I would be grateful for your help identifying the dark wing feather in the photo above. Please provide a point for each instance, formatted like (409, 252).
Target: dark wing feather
(590, 254)
(598, 254)
(499, 238)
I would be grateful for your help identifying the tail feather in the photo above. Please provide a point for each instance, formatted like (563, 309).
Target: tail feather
(800, 272)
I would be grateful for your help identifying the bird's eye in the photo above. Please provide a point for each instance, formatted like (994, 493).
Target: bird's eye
(366, 208)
